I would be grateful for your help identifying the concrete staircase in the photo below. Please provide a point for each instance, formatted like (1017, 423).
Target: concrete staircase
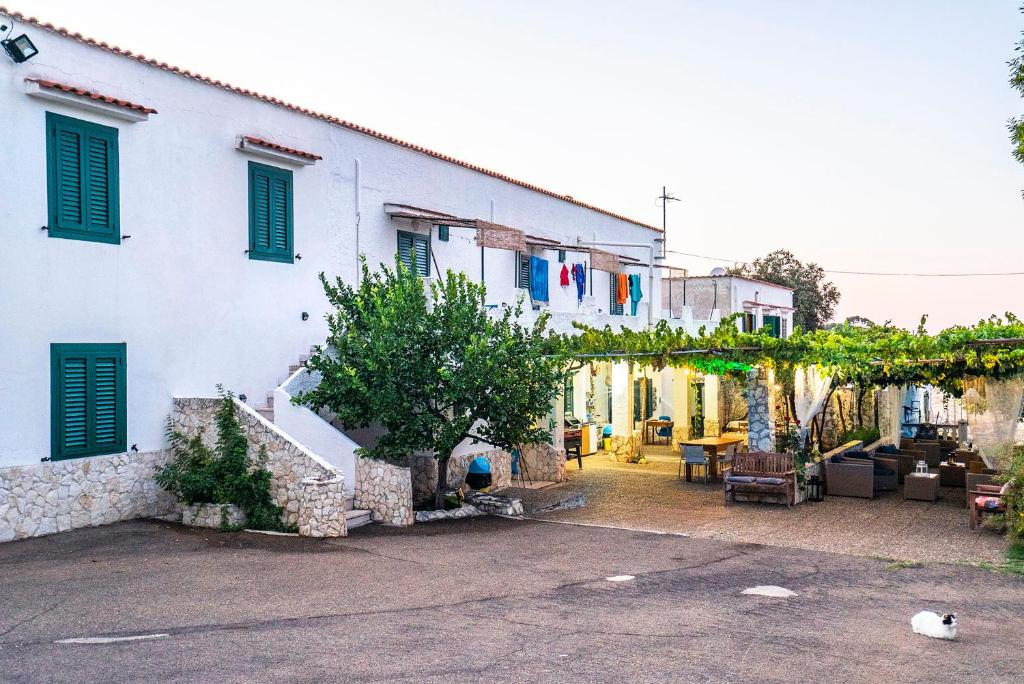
(354, 517)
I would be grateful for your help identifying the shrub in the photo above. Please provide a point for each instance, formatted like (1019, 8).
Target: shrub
(225, 474)
(868, 435)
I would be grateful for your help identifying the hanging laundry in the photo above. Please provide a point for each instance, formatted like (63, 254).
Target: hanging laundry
(635, 295)
(621, 288)
(579, 274)
(563, 277)
(538, 279)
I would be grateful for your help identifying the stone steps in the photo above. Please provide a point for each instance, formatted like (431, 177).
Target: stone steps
(357, 517)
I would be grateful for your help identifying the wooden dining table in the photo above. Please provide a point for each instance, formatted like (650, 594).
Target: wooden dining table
(714, 447)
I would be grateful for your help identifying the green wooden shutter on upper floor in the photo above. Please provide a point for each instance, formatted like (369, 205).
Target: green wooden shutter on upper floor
(614, 308)
(88, 400)
(82, 180)
(523, 270)
(271, 225)
(414, 252)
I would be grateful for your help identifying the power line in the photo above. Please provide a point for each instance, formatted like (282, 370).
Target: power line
(869, 273)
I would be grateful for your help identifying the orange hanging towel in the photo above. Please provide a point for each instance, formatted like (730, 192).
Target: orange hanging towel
(621, 288)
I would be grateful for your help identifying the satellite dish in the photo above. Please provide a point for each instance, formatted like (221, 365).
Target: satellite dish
(718, 271)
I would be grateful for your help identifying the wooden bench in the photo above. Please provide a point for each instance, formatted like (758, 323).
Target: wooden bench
(761, 465)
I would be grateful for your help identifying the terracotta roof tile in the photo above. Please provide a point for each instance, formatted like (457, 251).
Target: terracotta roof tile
(53, 85)
(324, 117)
(281, 148)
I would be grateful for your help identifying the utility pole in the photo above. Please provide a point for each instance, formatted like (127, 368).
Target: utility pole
(665, 199)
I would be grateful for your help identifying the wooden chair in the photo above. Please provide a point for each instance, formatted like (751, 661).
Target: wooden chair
(985, 493)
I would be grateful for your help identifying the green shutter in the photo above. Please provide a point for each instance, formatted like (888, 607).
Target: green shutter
(772, 323)
(413, 248)
(569, 393)
(88, 402)
(271, 224)
(443, 233)
(637, 405)
(523, 272)
(614, 308)
(82, 180)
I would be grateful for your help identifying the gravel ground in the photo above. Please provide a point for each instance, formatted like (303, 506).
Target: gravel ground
(651, 497)
(484, 600)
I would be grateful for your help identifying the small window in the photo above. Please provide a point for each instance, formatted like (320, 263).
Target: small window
(772, 323)
(271, 229)
(523, 272)
(614, 308)
(561, 256)
(88, 400)
(442, 233)
(82, 180)
(414, 252)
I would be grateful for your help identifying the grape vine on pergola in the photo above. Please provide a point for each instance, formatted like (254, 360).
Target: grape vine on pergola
(878, 356)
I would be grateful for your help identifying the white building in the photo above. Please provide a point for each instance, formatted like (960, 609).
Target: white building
(163, 235)
(709, 299)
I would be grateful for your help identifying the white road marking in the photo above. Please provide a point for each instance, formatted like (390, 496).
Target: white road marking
(620, 578)
(110, 640)
(769, 590)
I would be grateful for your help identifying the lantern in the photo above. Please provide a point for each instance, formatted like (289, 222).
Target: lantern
(814, 489)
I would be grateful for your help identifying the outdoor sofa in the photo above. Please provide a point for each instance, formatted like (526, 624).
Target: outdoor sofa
(861, 473)
(760, 474)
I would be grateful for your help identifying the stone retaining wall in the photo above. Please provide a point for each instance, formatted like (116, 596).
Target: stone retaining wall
(288, 462)
(385, 490)
(544, 462)
(501, 467)
(211, 515)
(63, 495)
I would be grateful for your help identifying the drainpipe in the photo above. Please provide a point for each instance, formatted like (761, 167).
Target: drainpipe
(650, 268)
(359, 216)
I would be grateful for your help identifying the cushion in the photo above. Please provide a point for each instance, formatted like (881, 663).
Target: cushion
(857, 453)
(771, 480)
(890, 449)
(740, 478)
(987, 501)
(838, 458)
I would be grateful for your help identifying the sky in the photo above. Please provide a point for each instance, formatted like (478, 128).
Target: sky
(864, 136)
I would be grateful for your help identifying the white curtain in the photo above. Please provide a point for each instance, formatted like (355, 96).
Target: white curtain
(890, 413)
(811, 389)
(993, 415)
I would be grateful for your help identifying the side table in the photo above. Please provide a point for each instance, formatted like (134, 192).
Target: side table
(920, 487)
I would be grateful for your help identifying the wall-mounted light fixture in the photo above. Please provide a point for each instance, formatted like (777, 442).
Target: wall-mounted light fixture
(305, 316)
(20, 49)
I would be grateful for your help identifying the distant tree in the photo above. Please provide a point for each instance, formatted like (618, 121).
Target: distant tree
(1016, 124)
(814, 298)
(432, 366)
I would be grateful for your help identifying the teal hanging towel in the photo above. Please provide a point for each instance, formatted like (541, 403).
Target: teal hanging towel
(635, 295)
(538, 279)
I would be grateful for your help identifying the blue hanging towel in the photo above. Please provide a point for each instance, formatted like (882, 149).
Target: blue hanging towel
(635, 295)
(538, 279)
(579, 274)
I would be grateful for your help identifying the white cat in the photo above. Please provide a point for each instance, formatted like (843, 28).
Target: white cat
(933, 625)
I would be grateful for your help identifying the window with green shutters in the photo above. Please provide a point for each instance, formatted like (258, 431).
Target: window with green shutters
(773, 325)
(569, 393)
(523, 270)
(614, 308)
(87, 392)
(82, 180)
(414, 251)
(271, 229)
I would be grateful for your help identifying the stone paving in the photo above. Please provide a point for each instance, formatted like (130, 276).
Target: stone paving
(650, 497)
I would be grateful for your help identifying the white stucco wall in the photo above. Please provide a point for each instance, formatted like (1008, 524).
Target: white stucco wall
(192, 308)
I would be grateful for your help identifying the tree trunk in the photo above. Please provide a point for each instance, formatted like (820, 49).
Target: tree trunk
(442, 481)
(842, 419)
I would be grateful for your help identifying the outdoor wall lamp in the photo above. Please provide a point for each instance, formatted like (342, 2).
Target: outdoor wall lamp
(305, 316)
(20, 49)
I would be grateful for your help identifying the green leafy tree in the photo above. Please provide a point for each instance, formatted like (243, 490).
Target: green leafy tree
(814, 298)
(431, 366)
(1016, 125)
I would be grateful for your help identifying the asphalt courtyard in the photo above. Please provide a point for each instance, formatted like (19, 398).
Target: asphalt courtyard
(484, 599)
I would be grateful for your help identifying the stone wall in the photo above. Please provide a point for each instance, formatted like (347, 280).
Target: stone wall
(63, 495)
(625, 449)
(385, 490)
(501, 467)
(289, 462)
(424, 477)
(322, 508)
(761, 414)
(212, 515)
(544, 462)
